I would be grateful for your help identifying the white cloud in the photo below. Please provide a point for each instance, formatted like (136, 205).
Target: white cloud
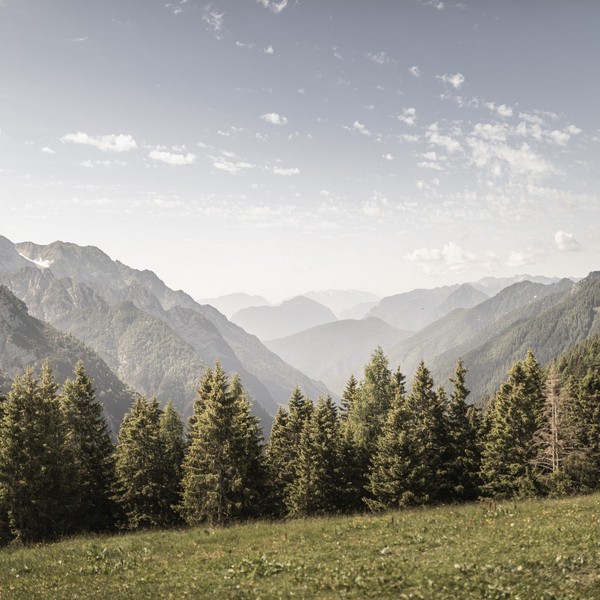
(107, 143)
(560, 138)
(504, 111)
(455, 80)
(388, 156)
(213, 18)
(171, 158)
(269, 50)
(79, 40)
(379, 58)
(360, 127)
(231, 167)
(415, 71)
(285, 172)
(274, 118)
(450, 144)
(47, 150)
(519, 258)
(273, 6)
(408, 115)
(450, 257)
(565, 242)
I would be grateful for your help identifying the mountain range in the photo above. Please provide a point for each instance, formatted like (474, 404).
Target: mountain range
(157, 340)
(63, 301)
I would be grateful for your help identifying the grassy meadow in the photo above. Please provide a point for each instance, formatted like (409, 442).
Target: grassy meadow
(530, 550)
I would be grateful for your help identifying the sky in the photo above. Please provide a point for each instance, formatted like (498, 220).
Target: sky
(279, 146)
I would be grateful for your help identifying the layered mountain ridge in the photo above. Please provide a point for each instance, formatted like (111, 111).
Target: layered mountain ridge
(156, 339)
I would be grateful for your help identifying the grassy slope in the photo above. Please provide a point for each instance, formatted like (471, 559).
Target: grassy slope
(530, 550)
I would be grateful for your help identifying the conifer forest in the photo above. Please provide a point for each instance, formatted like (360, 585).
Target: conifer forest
(388, 444)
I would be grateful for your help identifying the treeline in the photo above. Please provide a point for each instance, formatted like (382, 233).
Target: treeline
(384, 446)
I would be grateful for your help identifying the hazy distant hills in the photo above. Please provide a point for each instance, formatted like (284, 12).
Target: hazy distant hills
(342, 302)
(287, 318)
(158, 340)
(232, 303)
(412, 310)
(334, 351)
(26, 342)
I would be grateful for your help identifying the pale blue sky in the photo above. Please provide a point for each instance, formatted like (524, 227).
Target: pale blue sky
(276, 147)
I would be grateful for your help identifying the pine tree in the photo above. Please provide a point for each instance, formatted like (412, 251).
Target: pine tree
(348, 396)
(507, 462)
(249, 449)
(283, 447)
(216, 485)
(407, 468)
(171, 431)
(315, 487)
(366, 419)
(141, 482)
(370, 407)
(582, 415)
(92, 451)
(35, 466)
(463, 456)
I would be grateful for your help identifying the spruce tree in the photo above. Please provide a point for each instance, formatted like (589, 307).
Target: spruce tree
(463, 456)
(35, 464)
(348, 396)
(249, 449)
(171, 431)
(366, 419)
(407, 468)
(509, 452)
(315, 488)
(141, 482)
(283, 447)
(216, 485)
(92, 451)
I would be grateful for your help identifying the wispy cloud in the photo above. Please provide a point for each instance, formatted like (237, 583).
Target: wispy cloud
(286, 172)
(213, 17)
(107, 143)
(408, 115)
(415, 71)
(274, 118)
(361, 128)
(379, 58)
(47, 150)
(273, 6)
(566, 242)
(172, 158)
(456, 80)
(232, 167)
(449, 258)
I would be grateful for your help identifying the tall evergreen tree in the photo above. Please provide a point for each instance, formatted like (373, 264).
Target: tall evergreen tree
(315, 488)
(215, 482)
(248, 443)
(407, 468)
(171, 431)
(35, 466)
(463, 456)
(92, 451)
(141, 482)
(366, 419)
(507, 462)
(283, 447)
(348, 396)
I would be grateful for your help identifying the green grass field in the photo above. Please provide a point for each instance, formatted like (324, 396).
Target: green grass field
(529, 550)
